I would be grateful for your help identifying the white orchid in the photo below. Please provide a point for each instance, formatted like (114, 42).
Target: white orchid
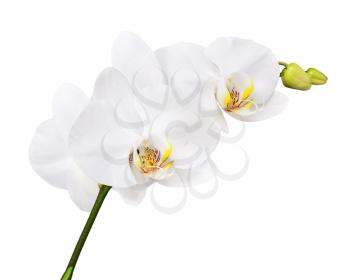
(118, 142)
(240, 74)
(155, 117)
(49, 153)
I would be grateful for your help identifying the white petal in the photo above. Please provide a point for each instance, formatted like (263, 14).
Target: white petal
(161, 174)
(130, 113)
(228, 132)
(186, 56)
(49, 156)
(207, 103)
(186, 85)
(194, 147)
(189, 135)
(138, 63)
(117, 143)
(187, 68)
(244, 56)
(153, 97)
(112, 86)
(220, 124)
(168, 200)
(130, 54)
(67, 104)
(178, 126)
(133, 195)
(201, 178)
(174, 118)
(273, 107)
(149, 76)
(101, 147)
(210, 111)
(82, 189)
(178, 179)
(150, 85)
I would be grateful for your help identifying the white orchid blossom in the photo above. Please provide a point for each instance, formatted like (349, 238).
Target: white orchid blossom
(120, 142)
(51, 157)
(240, 76)
(49, 153)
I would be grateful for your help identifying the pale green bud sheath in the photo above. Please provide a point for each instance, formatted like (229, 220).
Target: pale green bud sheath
(316, 76)
(68, 274)
(293, 76)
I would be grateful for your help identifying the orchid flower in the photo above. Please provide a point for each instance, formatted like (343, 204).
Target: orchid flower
(124, 143)
(49, 153)
(51, 158)
(241, 76)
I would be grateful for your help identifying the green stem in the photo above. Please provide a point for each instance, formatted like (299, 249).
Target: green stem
(282, 63)
(68, 274)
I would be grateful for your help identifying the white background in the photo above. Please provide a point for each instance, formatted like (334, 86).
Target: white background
(287, 218)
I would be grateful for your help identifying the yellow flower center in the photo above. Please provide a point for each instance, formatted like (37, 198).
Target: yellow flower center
(149, 160)
(237, 94)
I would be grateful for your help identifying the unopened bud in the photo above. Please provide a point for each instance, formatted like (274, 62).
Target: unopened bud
(293, 76)
(316, 76)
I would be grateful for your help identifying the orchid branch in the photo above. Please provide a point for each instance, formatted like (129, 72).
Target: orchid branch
(68, 274)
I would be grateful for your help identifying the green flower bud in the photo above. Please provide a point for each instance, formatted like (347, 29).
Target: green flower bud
(316, 76)
(293, 76)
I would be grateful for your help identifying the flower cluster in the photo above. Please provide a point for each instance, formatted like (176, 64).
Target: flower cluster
(155, 116)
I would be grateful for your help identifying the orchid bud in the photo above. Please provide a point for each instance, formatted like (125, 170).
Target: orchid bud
(293, 76)
(316, 76)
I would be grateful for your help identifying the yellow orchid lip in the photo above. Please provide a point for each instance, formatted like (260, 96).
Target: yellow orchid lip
(149, 160)
(233, 100)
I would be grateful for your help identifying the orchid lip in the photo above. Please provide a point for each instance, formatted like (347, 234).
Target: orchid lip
(150, 161)
(235, 94)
